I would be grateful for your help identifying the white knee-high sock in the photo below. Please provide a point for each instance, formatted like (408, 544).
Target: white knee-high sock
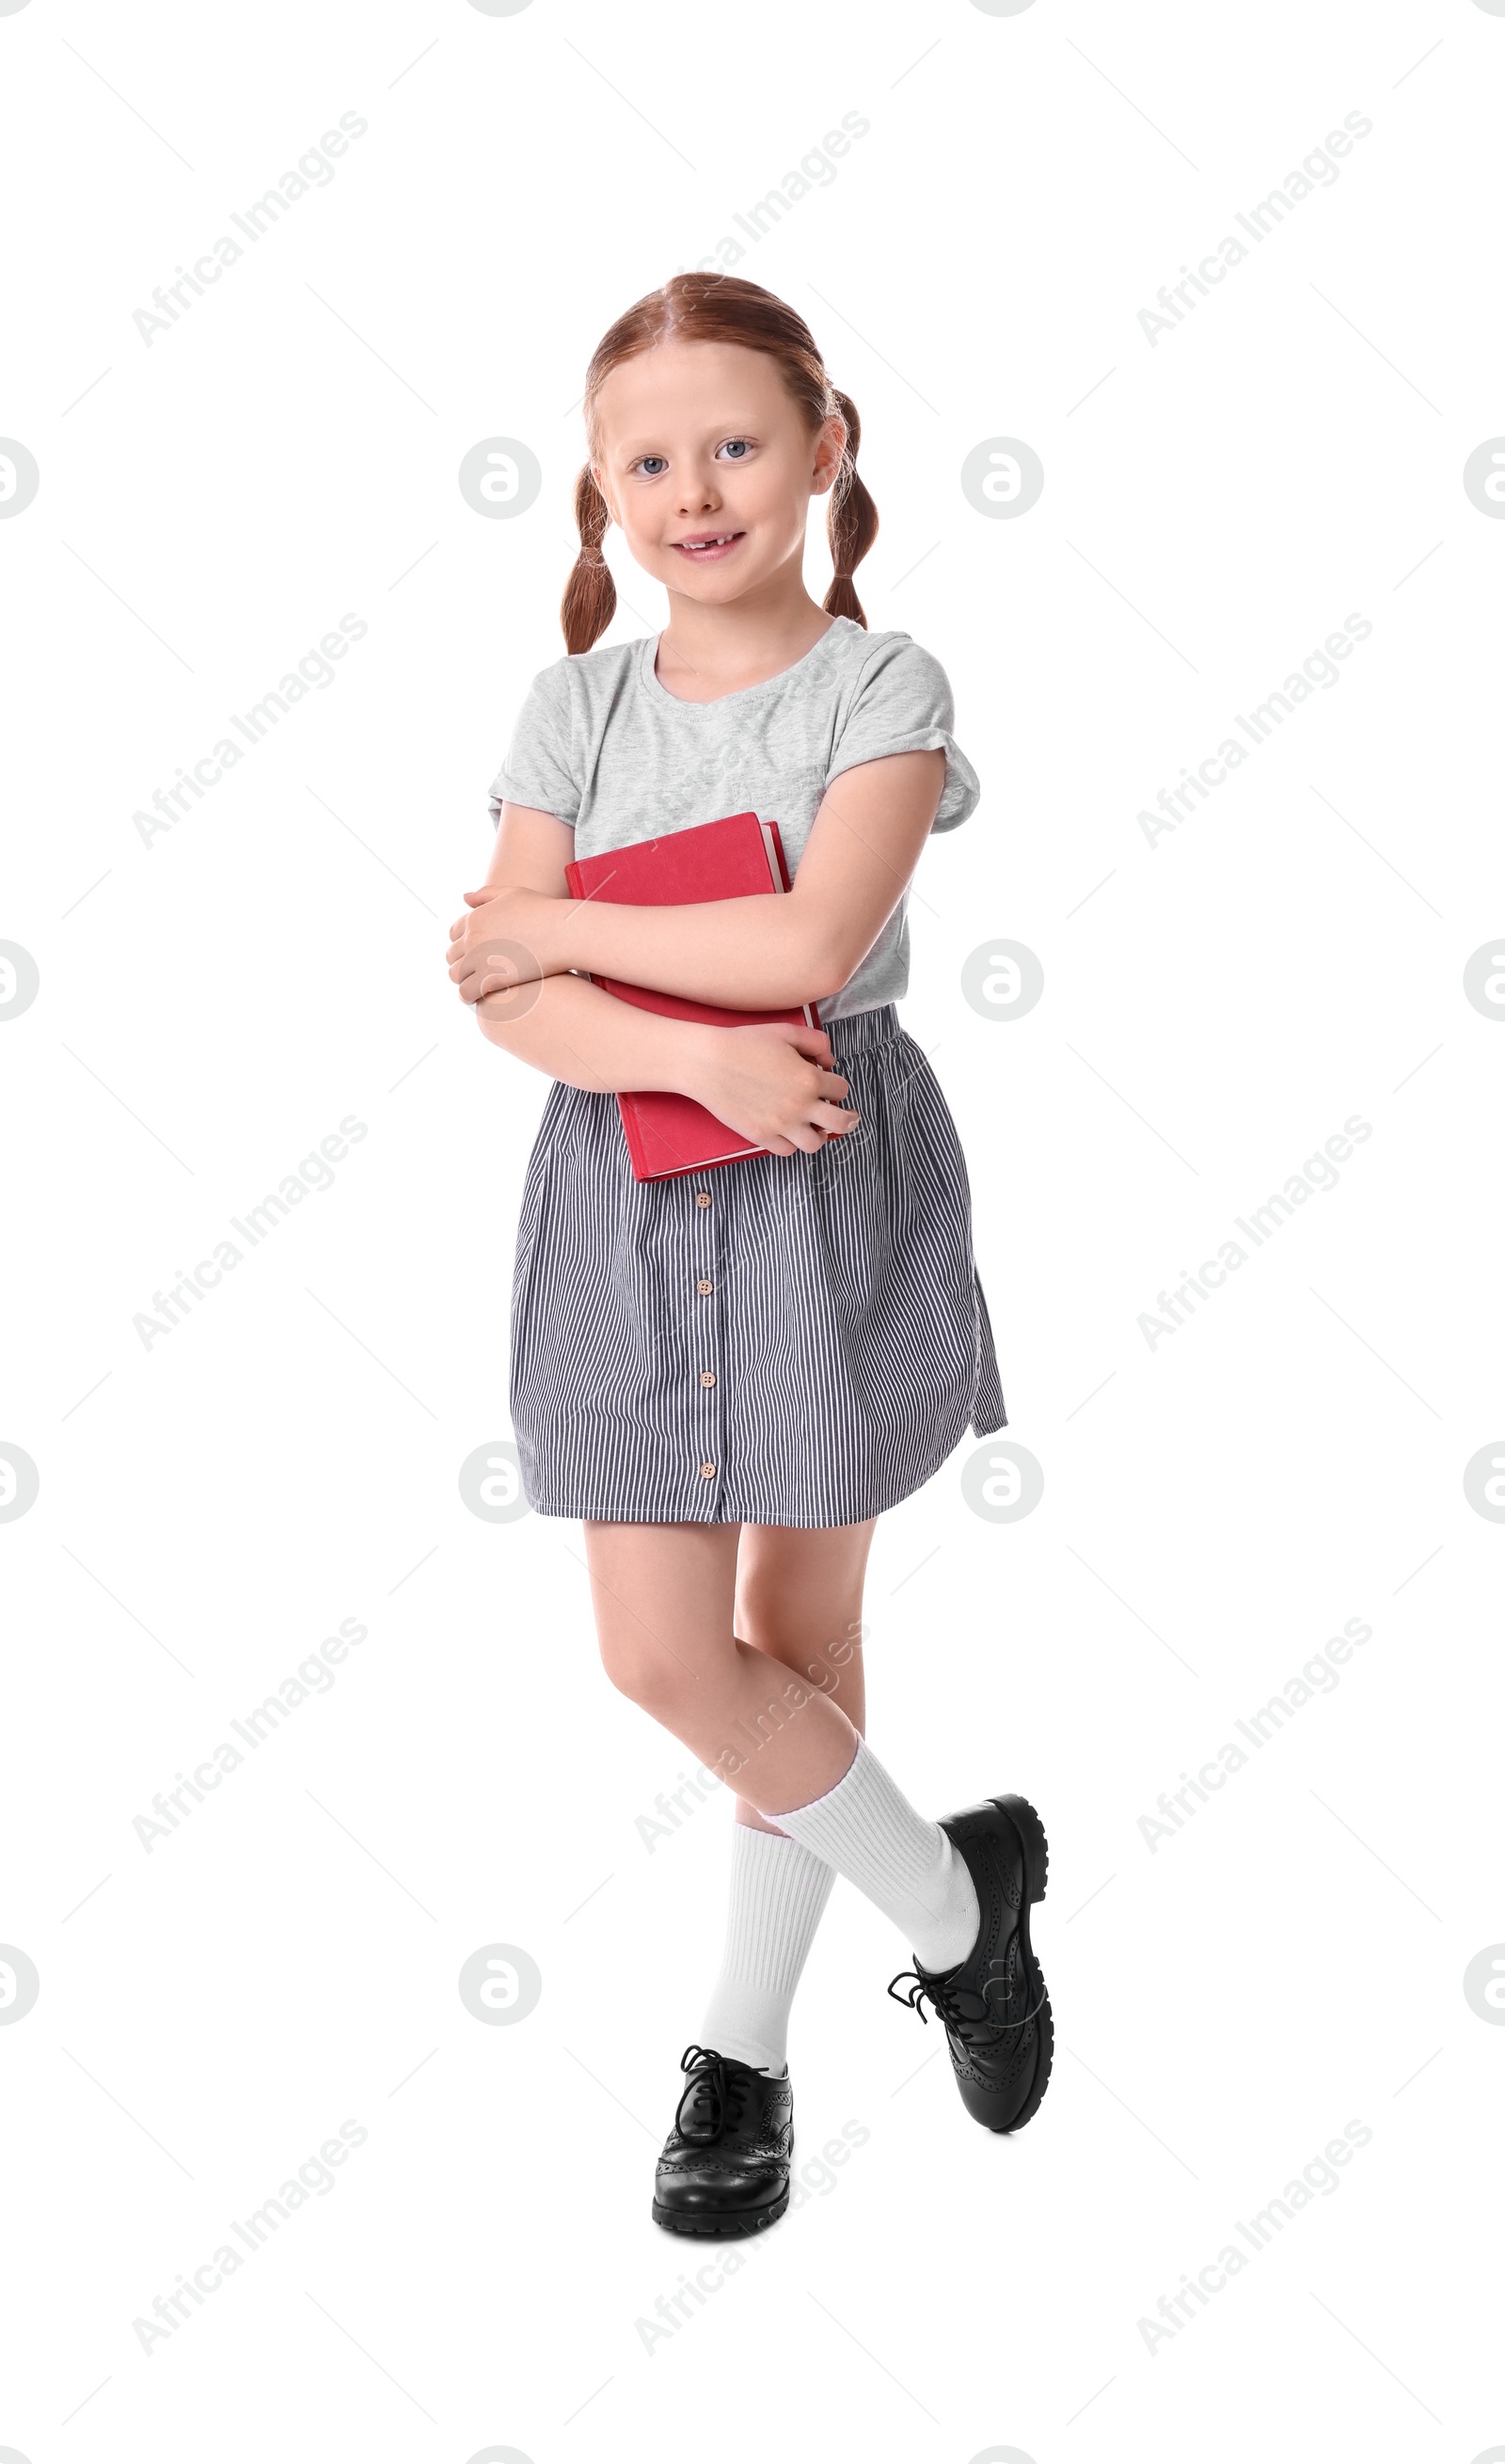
(778, 1891)
(867, 1828)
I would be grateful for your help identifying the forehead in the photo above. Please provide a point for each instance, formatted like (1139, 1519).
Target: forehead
(686, 389)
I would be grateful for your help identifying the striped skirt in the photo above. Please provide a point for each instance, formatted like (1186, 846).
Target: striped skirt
(788, 1339)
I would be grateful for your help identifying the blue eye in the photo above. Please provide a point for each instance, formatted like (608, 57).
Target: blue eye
(653, 457)
(741, 446)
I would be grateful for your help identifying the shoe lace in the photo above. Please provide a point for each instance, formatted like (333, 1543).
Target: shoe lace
(945, 2000)
(717, 2086)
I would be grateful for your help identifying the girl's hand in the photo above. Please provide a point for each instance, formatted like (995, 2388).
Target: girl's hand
(774, 1084)
(507, 939)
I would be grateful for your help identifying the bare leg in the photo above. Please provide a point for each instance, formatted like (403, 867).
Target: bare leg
(799, 1599)
(664, 1595)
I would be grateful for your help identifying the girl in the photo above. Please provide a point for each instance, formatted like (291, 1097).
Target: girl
(728, 1375)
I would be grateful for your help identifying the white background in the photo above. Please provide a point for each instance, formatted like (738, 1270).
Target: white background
(1217, 1003)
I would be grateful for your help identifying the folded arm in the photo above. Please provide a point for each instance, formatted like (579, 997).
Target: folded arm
(775, 1084)
(739, 953)
(563, 1025)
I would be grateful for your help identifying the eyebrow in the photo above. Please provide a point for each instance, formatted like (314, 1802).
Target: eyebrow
(649, 443)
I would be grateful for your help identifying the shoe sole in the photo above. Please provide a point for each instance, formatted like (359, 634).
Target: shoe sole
(1037, 1864)
(719, 2228)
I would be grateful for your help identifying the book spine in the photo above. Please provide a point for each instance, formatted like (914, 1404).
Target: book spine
(632, 1130)
(779, 873)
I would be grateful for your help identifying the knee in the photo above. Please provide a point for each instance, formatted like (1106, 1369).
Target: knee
(823, 1654)
(776, 1607)
(773, 1623)
(646, 1672)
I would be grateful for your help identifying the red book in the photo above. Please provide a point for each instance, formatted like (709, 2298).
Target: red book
(739, 857)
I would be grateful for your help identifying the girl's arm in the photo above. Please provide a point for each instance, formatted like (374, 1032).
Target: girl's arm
(739, 953)
(774, 1084)
(562, 1025)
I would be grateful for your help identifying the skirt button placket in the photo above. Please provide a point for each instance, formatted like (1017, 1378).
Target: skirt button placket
(706, 1335)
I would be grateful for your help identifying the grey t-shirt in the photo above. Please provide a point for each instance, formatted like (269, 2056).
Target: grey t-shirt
(602, 744)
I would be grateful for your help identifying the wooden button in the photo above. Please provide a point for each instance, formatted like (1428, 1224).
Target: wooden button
(703, 1286)
(703, 1198)
(707, 1377)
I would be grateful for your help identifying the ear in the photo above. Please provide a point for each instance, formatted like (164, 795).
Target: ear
(599, 477)
(830, 442)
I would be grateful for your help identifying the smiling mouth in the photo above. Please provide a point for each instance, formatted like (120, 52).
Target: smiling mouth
(712, 543)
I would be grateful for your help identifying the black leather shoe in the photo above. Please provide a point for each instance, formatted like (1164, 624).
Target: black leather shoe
(725, 2165)
(993, 2005)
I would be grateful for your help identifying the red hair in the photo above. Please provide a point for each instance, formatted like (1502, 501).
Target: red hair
(718, 308)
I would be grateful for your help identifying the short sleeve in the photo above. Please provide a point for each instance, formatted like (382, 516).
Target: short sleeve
(538, 769)
(903, 704)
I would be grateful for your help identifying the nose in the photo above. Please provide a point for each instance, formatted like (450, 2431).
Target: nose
(699, 492)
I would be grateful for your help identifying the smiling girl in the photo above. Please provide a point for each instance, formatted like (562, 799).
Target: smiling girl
(727, 1375)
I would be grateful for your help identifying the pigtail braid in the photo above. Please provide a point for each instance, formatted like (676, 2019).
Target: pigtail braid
(589, 601)
(852, 524)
